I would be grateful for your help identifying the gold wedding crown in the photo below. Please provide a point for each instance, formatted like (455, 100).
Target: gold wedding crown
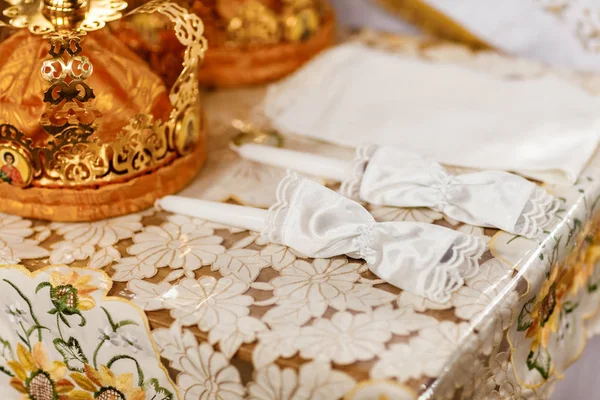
(87, 129)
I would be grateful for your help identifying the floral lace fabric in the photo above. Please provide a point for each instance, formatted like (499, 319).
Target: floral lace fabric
(241, 318)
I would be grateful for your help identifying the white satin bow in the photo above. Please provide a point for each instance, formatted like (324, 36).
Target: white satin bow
(392, 177)
(429, 260)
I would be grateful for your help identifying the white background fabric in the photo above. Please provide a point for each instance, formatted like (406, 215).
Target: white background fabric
(365, 14)
(527, 28)
(563, 35)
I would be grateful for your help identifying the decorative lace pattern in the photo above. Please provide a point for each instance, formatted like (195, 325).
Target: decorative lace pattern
(363, 243)
(537, 214)
(275, 224)
(459, 263)
(351, 185)
(444, 182)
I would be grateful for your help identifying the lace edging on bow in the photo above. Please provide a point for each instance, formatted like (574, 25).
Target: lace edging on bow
(274, 226)
(460, 262)
(537, 213)
(351, 185)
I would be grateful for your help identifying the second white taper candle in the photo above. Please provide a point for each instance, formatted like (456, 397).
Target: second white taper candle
(306, 163)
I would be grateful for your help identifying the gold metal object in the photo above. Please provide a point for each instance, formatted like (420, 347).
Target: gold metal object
(44, 16)
(250, 134)
(74, 155)
(301, 19)
(65, 13)
(68, 96)
(256, 24)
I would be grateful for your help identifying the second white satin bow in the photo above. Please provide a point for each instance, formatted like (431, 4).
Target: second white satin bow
(392, 177)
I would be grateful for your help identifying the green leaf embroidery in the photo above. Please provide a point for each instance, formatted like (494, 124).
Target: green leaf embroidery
(569, 306)
(124, 323)
(35, 320)
(513, 239)
(115, 359)
(540, 360)
(524, 321)
(6, 371)
(34, 328)
(573, 230)
(548, 305)
(41, 286)
(110, 320)
(155, 391)
(594, 280)
(589, 239)
(6, 351)
(114, 327)
(72, 353)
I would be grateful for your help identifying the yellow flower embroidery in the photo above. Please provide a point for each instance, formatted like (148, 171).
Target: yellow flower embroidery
(546, 311)
(36, 377)
(79, 298)
(104, 385)
(585, 269)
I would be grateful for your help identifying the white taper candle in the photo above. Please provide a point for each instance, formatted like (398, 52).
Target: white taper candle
(306, 163)
(243, 217)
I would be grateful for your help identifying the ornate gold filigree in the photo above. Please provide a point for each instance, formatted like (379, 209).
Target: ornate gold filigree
(142, 145)
(68, 96)
(75, 156)
(256, 24)
(189, 28)
(44, 16)
(78, 158)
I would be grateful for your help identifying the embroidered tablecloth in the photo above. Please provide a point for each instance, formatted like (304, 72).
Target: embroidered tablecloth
(236, 318)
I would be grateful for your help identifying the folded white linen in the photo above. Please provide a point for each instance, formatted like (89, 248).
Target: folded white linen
(543, 127)
(425, 259)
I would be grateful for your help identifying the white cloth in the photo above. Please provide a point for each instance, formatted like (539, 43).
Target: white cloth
(544, 127)
(558, 32)
(392, 177)
(429, 260)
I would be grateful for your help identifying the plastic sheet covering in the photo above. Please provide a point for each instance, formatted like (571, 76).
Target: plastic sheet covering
(233, 317)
